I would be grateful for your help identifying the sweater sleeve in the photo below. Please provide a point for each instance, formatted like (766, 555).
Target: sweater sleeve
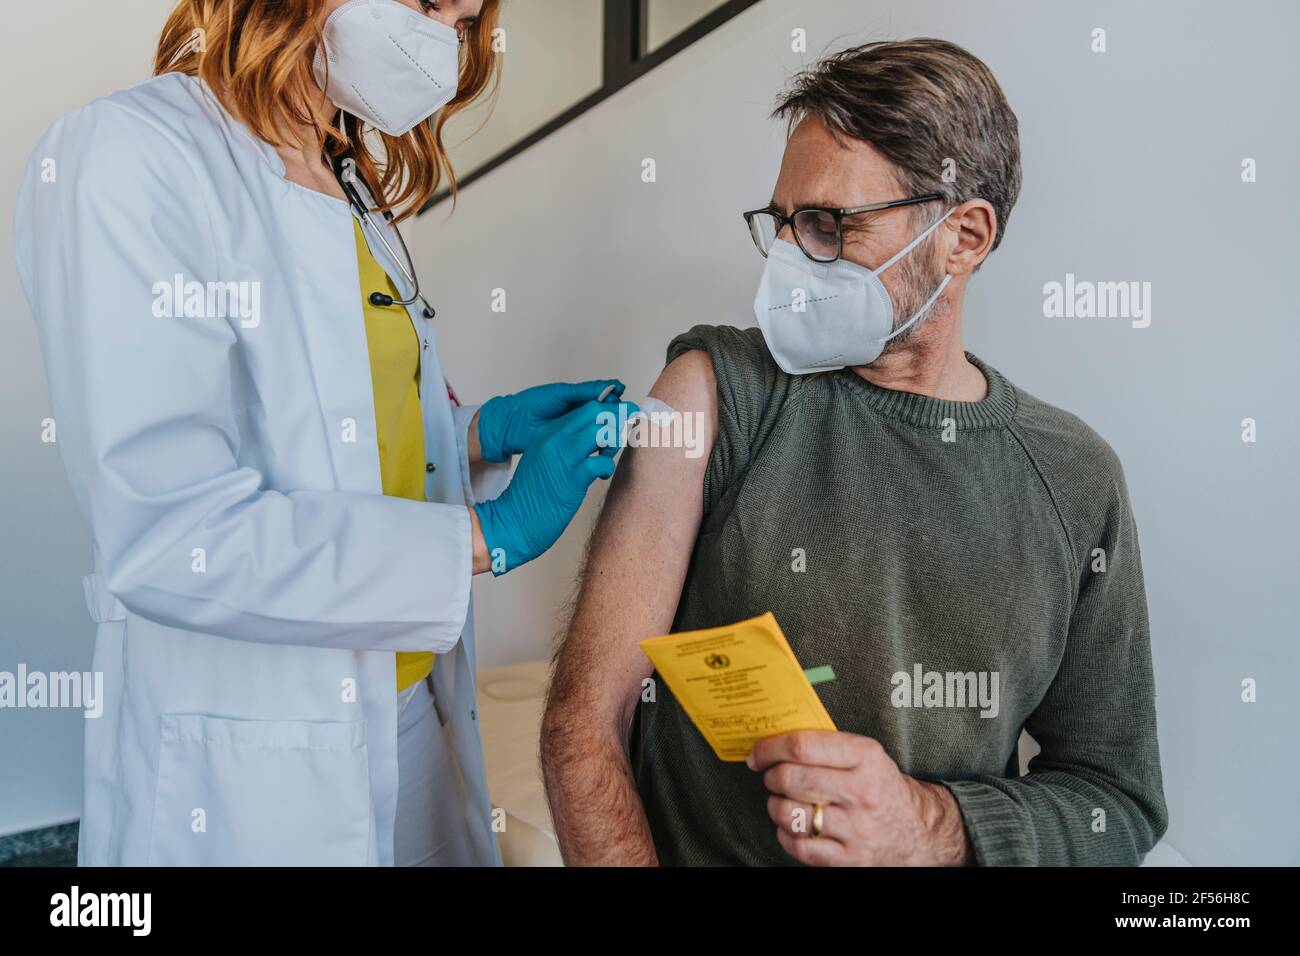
(1093, 795)
(749, 385)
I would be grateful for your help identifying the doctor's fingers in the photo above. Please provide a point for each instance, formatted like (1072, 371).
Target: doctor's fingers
(595, 426)
(573, 394)
(571, 440)
(598, 466)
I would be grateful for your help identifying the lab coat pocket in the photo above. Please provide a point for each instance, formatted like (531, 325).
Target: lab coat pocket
(260, 793)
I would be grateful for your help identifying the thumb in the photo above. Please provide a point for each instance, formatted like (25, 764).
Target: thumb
(598, 466)
(578, 393)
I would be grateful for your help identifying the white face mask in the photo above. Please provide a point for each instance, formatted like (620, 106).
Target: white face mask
(822, 316)
(388, 65)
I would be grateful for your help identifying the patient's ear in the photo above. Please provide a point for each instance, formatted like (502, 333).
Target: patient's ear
(976, 226)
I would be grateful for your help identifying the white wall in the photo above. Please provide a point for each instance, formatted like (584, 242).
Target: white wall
(664, 19)
(1132, 161)
(561, 40)
(56, 56)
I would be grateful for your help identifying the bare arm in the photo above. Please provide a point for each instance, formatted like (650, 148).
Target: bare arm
(637, 562)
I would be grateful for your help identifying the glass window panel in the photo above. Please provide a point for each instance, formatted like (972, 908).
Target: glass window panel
(553, 54)
(664, 19)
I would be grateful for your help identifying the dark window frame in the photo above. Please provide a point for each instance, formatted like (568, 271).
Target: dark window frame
(624, 60)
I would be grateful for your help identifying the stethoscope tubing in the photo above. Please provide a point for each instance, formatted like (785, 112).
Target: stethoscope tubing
(404, 261)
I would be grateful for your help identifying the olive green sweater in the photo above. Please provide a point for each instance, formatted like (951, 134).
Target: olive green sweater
(968, 570)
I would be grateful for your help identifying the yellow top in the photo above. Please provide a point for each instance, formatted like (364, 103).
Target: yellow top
(395, 374)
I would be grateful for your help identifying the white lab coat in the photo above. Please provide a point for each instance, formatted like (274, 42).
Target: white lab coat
(250, 582)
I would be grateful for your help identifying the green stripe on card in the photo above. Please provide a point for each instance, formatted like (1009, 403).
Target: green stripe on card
(819, 675)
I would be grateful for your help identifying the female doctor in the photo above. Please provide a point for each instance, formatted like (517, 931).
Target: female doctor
(286, 501)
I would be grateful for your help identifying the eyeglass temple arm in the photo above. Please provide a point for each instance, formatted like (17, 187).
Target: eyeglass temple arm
(889, 204)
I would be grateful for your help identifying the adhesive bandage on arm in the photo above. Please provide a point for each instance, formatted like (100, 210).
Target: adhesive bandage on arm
(660, 413)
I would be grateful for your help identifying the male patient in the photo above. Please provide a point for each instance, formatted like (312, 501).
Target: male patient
(962, 555)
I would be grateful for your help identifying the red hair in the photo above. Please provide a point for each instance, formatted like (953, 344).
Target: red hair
(256, 56)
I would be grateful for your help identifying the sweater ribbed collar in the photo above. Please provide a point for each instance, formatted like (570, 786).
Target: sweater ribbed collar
(923, 411)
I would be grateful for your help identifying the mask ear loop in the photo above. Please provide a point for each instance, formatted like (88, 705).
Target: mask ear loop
(914, 243)
(937, 292)
(185, 49)
(919, 312)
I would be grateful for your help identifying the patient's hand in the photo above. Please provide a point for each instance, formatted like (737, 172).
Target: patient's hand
(873, 814)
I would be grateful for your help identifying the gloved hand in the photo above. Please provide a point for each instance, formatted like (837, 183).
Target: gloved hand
(506, 423)
(551, 481)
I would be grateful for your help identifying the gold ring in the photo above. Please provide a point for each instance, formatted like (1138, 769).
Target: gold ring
(818, 819)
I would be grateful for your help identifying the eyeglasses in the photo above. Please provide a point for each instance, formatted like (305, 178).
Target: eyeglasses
(819, 232)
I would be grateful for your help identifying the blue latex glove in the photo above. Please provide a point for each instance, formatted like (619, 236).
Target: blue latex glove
(506, 423)
(550, 482)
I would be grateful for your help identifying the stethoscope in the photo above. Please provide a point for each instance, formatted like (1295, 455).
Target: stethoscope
(347, 181)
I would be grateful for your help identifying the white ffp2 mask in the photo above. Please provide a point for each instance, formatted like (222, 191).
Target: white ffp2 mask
(387, 64)
(823, 316)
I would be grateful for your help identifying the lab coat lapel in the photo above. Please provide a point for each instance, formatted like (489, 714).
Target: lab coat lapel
(334, 332)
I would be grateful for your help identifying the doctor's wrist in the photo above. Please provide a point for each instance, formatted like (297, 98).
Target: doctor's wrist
(474, 450)
(482, 558)
(490, 426)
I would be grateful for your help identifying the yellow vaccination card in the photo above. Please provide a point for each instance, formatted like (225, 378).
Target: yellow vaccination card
(738, 684)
